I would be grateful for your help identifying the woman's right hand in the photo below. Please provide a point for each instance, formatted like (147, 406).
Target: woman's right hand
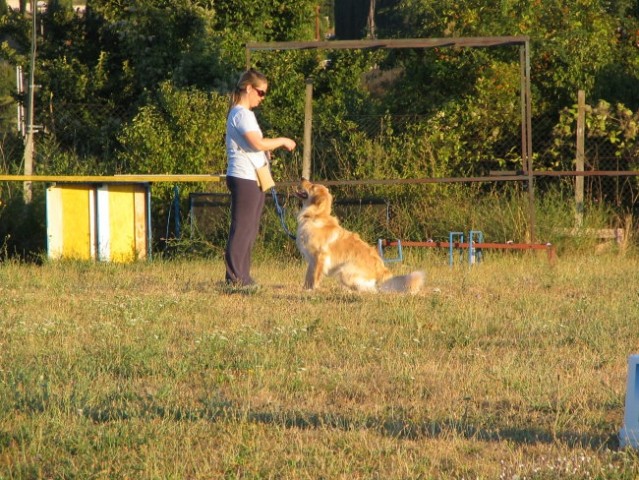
(288, 143)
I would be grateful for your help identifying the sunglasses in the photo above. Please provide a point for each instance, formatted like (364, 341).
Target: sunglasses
(260, 93)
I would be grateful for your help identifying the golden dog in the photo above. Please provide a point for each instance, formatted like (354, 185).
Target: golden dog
(332, 250)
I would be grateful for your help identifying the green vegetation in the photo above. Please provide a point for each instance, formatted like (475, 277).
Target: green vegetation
(140, 87)
(512, 369)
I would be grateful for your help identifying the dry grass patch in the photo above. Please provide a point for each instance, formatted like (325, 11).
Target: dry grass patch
(511, 369)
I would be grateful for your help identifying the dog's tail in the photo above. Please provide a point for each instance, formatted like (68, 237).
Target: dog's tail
(411, 283)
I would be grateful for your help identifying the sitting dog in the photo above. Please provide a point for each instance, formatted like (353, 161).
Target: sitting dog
(332, 250)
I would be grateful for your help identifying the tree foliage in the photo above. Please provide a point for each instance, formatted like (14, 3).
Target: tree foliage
(140, 85)
(166, 136)
(576, 44)
(120, 53)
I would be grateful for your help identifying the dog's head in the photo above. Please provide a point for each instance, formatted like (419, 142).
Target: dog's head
(315, 198)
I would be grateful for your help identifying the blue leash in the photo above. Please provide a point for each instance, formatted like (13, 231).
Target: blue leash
(280, 213)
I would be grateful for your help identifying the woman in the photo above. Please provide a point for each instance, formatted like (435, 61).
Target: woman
(246, 150)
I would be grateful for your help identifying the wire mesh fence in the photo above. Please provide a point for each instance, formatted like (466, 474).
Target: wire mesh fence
(368, 151)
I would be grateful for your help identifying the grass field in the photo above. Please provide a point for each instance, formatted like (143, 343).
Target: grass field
(512, 369)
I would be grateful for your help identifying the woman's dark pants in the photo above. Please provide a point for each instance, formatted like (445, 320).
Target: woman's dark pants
(247, 203)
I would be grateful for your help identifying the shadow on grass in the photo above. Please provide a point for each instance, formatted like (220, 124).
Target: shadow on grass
(411, 430)
(123, 406)
(221, 411)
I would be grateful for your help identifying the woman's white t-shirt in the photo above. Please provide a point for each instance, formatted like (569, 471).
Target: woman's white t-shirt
(242, 158)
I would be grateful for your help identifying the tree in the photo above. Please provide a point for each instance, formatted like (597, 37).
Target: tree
(590, 45)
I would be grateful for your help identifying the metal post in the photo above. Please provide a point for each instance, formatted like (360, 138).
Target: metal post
(176, 213)
(451, 241)
(370, 23)
(579, 167)
(317, 23)
(149, 233)
(527, 133)
(474, 254)
(308, 127)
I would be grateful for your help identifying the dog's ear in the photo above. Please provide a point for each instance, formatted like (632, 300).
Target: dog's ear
(316, 196)
(321, 197)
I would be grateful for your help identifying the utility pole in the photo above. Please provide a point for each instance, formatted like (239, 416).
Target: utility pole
(28, 139)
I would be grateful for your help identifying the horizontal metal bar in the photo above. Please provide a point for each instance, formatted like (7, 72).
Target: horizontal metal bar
(550, 249)
(111, 178)
(391, 43)
(401, 181)
(505, 246)
(522, 177)
(586, 173)
(389, 181)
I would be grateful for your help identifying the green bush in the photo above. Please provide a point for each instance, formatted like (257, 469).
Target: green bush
(23, 226)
